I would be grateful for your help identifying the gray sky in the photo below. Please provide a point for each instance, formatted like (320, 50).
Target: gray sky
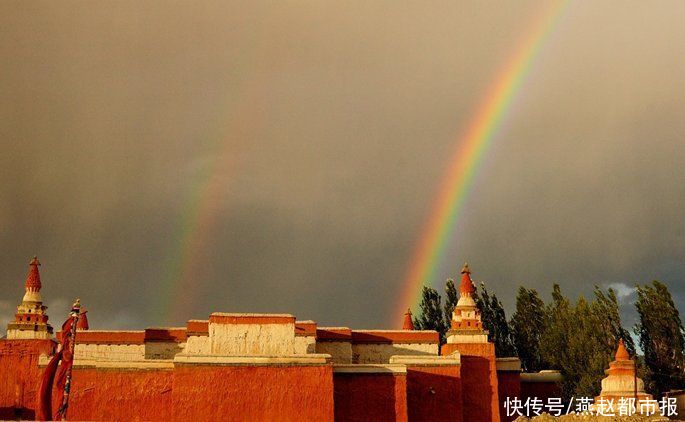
(325, 128)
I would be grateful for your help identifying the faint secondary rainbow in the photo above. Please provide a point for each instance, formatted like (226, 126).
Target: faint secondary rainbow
(467, 157)
(207, 191)
(237, 113)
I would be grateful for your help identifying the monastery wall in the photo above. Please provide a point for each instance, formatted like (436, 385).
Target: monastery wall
(262, 367)
(543, 385)
(163, 350)
(335, 341)
(124, 390)
(377, 346)
(479, 380)
(245, 367)
(115, 376)
(508, 383)
(251, 334)
(109, 345)
(197, 337)
(433, 387)
(28, 335)
(305, 337)
(370, 392)
(248, 389)
(164, 343)
(173, 373)
(20, 376)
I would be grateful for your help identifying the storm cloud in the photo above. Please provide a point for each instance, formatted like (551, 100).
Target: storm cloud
(324, 129)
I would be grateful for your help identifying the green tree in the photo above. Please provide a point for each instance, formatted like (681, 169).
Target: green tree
(661, 338)
(527, 325)
(495, 321)
(431, 316)
(605, 311)
(587, 357)
(451, 298)
(580, 340)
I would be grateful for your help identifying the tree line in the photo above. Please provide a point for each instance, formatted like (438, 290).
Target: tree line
(577, 338)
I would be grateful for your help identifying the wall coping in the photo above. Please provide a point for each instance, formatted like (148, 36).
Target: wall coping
(197, 327)
(234, 318)
(542, 376)
(166, 334)
(164, 328)
(305, 328)
(286, 360)
(395, 336)
(109, 336)
(508, 364)
(333, 334)
(393, 369)
(114, 364)
(427, 360)
(250, 314)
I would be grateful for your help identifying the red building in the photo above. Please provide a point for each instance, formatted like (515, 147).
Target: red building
(263, 367)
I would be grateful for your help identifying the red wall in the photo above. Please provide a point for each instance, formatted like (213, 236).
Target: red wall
(268, 392)
(509, 385)
(119, 394)
(479, 380)
(249, 393)
(541, 390)
(20, 376)
(370, 397)
(434, 393)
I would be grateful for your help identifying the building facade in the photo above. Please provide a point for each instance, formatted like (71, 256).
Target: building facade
(234, 366)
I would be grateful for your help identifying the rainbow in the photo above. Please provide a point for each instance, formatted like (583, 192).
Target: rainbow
(208, 190)
(471, 148)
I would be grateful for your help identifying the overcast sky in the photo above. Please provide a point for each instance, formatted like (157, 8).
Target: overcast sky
(284, 156)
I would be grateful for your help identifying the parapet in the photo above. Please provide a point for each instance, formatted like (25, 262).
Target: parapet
(166, 334)
(305, 328)
(395, 337)
(197, 327)
(426, 360)
(248, 318)
(232, 334)
(254, 335)
(305, 337)
(348, 346)
(509, 364)
(335, 341)
(110, 345)
(542, 376)
(334, 334)
(377, 346)
(111, 337)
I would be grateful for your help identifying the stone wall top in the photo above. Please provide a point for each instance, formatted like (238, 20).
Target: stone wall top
(542, 376)
(425, 360)
(109, 337)
(145, 364)
(333, 334)
(394, 336)
(310, 359)
(234, 318)
(389, 369)
(305, 328)
(508, 364)
(197, 327)
(167, 335)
